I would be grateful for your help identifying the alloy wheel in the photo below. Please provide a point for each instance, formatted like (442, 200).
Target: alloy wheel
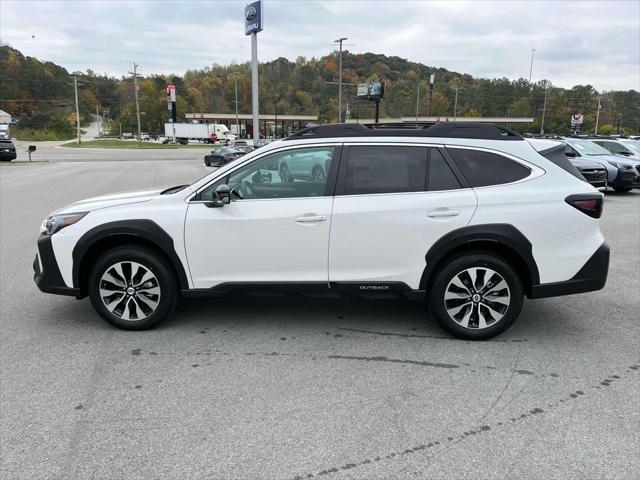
(317, 174)
(284, 174)
(477, 298)
(130, 290)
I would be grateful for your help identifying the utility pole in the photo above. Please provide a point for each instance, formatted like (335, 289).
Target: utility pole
(235, 80)
(418, 100)
(598, 116)
(135, 86)
(533, 51)
(275, 130)
(340, 40)
(455, 104)
(75, 86)
(98, 118)
(544, 109)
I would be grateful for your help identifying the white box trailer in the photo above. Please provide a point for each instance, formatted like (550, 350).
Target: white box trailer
(204, 132)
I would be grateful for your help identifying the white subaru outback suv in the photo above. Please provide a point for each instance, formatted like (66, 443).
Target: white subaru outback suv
(469, 217)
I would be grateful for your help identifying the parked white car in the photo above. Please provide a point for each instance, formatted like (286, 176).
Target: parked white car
(468, 217)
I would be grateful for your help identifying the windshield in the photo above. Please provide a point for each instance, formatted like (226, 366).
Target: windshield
(585, 147)
(632, 145)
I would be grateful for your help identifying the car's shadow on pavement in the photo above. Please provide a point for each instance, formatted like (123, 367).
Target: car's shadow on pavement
(539, 321)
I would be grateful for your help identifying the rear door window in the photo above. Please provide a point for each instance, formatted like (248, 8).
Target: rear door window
(385, 169)
(482, 169)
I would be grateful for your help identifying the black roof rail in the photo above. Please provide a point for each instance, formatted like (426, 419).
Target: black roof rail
(484, 131)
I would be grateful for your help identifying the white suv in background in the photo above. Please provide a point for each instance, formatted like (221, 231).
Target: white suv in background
(467, 216)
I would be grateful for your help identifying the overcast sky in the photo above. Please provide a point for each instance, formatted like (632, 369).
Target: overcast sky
(576, 42)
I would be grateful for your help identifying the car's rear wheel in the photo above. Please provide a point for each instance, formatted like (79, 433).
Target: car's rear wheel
(476, 295)
(133, 288)
(317, 174)
(623, 189)
(285, 176)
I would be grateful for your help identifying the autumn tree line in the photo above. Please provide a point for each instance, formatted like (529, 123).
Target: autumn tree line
(40, 94)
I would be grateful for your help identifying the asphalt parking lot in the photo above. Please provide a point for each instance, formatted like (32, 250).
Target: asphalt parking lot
(296, 387)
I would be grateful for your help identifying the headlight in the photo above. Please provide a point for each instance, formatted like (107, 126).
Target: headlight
(55, 223)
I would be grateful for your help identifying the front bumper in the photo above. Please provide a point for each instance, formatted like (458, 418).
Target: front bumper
(591, 277)
(48, 278)
(8, 155)
(626, 179)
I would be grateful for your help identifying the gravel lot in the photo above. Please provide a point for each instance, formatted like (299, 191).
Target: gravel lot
(296, 387)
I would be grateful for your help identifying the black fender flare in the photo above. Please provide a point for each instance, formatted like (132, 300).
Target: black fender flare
(144, 229)
(499, 235)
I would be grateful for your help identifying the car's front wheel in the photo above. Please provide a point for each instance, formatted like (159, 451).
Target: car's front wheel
(623, 189)
(133, 288)
(476, 295)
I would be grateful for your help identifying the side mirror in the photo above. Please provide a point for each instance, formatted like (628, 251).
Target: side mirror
(569, 153)
(262, 176)
(222, 197)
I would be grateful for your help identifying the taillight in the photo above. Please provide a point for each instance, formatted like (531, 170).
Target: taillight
(587, 203)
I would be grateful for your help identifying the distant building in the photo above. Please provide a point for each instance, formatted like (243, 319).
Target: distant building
(501, 120)
(4, 117)
(285, 123)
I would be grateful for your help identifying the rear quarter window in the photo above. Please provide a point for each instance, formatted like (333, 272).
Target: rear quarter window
(482, 169)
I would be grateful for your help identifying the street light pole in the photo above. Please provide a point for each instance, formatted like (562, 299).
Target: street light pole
(544, 109)
(418, 100)
(597, 116)
(455, 104)
(533, 51)
(340, 40)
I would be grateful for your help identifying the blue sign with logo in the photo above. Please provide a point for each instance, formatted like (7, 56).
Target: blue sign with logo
(253, 18)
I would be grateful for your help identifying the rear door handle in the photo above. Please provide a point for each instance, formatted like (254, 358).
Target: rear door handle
(443, 212)
(310, 218)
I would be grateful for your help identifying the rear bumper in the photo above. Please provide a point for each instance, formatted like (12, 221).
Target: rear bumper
(591, 277)
(48, 279)
(8, 155)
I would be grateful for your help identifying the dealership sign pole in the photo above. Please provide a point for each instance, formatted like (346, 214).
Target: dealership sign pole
(252, 25)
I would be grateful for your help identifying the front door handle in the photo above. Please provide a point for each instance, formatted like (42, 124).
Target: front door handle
(310, 218)
(443, 212)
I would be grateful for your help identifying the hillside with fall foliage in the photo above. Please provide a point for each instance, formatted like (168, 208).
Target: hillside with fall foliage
(40, 94)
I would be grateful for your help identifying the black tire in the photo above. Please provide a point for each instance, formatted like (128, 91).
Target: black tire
(207, 162)
(164, 279)
(449, 271)
(623, 189)
(285, 175)
(317, 174)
